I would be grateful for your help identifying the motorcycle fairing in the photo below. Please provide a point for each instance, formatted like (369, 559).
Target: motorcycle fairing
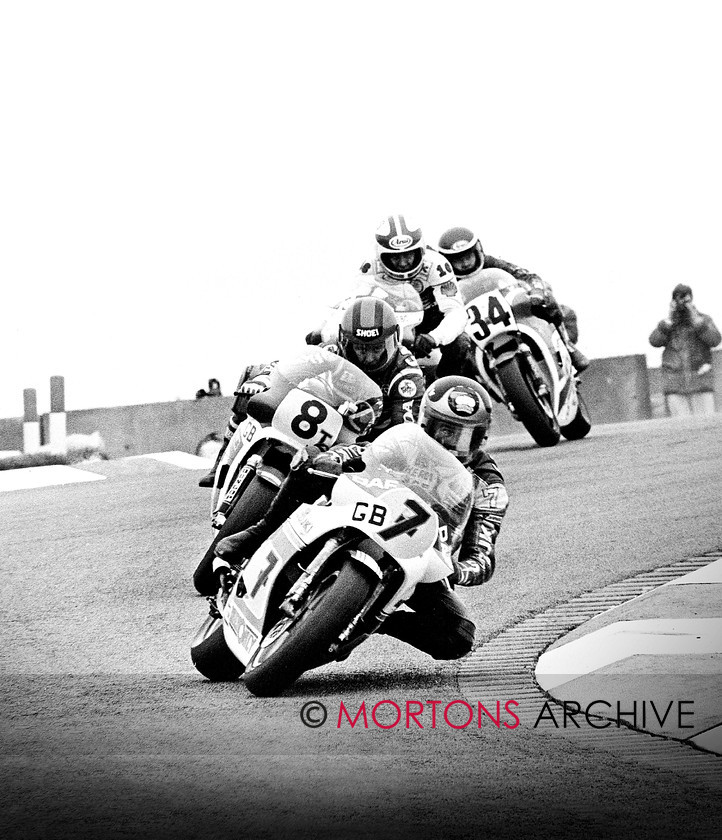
(398, 520)
(506, 317)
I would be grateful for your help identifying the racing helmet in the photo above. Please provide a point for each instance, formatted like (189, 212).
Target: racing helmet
(369, 334)
(400, 248)
(462, 249)
(456, 412)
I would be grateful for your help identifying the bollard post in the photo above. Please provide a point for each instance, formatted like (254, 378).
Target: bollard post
(717, 378)
(57, 422)
(31, 422)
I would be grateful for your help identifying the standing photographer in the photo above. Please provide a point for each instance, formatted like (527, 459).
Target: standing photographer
(688, 337)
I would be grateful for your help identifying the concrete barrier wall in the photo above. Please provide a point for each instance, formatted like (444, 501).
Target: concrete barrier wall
(11, 433)
(155, 427)
(616, 389)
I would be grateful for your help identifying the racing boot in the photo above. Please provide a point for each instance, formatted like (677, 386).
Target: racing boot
(311, 475)
(291, 494)
(238, 546)
(579, 360)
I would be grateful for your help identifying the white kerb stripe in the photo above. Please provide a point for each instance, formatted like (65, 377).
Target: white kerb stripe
(29, 477)
(625, 639)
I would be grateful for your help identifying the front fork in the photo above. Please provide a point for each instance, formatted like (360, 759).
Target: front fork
(244, 478)
(497, 355)
(368, 620)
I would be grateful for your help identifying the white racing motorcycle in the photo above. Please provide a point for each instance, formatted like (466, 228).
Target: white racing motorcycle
(314, 398)
(334, 571)
(522, 360)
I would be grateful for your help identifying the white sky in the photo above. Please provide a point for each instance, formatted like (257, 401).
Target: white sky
(182, 185)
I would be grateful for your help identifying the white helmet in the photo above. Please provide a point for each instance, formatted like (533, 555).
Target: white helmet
(400, 248)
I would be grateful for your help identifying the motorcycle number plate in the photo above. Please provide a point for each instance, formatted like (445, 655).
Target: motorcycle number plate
(403, 522)
(489, 314)
(307, 419)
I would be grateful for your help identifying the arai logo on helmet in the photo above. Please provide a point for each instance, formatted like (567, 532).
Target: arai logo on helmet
(402, 241)
(464, 403)
(460, 245)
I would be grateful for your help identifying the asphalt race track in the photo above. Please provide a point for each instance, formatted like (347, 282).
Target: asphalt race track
(107, 730)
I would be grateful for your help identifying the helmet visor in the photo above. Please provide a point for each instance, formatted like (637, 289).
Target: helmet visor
(461, 441)
(465, 262)
(371, 355)
(402, 262)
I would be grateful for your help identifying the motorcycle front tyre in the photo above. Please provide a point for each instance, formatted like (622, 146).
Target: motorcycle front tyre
(247, 511)
(581, 424)
(211, 655)
(537, 418)
(305, 642)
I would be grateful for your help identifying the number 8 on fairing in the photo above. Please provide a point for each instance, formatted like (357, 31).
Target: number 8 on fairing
(309, 418)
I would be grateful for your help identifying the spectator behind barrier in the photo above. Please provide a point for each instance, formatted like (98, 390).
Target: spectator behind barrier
(214, 390)
(688, 337)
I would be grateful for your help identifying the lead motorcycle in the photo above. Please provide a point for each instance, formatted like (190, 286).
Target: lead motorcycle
(522, 360)
(314, 397)
(326, 580)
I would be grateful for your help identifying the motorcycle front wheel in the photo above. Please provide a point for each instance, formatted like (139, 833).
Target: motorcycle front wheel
(247, 511)
(211, 655)
(581, 425)
(535, 410)
(294, 645)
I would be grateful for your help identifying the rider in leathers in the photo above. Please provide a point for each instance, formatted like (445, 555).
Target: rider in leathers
(402, 256)
(392, 367)
(462, 248)
(456, 412)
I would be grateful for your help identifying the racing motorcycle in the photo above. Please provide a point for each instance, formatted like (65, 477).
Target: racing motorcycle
(328, 577)
(314, 397)
(522, 360)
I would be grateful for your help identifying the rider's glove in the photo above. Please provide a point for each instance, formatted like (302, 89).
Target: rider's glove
(537, 298)
(250, 389)
(348, 452)
(545, 307)
(424, 344)
(461, 576)
(313, 460)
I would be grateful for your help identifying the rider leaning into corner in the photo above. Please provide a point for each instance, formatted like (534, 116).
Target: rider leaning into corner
(456, 412)
(462, 249)
(369, 337)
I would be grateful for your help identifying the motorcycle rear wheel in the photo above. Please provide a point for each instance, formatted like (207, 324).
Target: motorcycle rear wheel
(535, 411)
(247, 511)
(302, 642)
(211, 655)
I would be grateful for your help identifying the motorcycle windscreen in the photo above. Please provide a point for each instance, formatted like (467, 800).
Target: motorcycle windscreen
(406, 456)
(323, 374)
(402, 297)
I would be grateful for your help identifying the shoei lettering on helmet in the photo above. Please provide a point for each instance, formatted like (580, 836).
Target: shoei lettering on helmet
(400, 248)
(369, 334)
(462, 249)
(456, 412)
